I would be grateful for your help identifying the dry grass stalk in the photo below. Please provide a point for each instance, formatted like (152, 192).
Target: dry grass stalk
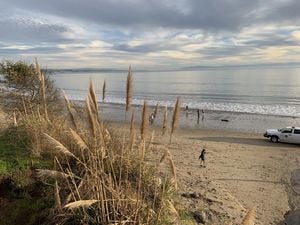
(43, 87)
(59, 146)
(92, 105)
(38, 113)
(93, 111)
(164, 127)
(173, 168)
(131, 141)
(91, 117)
(104, 91)
(249, 218)
(156, 109)
(93, 97)
(25, 108)
(132, 122)
(107, 135)
(80, 142)
(15, 119)
(171, 208)
(38, 69)
(70, 110)
(150, 141)
(143, 149)
(175, 117)
(44, 95)
(165, 155)
(57, 202)
(132, 132)
(81, 203)
(46, 174)
(144, 120)
(129, 89)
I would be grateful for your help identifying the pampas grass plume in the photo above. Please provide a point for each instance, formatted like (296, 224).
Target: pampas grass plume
(132, 122)
(69, 110)
(59, 146)
(175, 117)
(156, 109)
(93, 97)
(144, 120)
(249, 218)
(164, 127)
(104, 91)
(46, 174)
(129, 89)
(57, 202)
(80, 203)
(80, 142)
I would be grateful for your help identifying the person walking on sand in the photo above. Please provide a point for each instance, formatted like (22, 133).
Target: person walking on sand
(198, 115)
(202, 157)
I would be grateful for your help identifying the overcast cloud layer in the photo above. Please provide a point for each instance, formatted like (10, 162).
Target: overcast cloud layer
(150, 34)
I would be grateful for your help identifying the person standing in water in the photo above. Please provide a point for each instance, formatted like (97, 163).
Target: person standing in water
(186, 111)
(202, 114)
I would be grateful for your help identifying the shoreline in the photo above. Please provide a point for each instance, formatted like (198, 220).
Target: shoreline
(213, 120)
(191, 109)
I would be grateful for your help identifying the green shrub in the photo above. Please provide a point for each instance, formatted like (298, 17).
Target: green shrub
(26, 84)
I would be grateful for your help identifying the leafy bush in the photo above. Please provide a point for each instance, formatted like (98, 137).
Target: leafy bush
(25, 83)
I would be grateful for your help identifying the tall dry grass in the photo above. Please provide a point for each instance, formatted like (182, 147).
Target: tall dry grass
(132, 122)
(131, 132)
(167, 156)
(249, 218)
(104, 91)
(128, 89)
(175, 118)
(144, 121)
(156, 109)
(165, 121)
(71, 114)
(42, 86)
(99, 180)
(34, 125)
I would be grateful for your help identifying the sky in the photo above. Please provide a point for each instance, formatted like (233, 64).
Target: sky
(150, 34)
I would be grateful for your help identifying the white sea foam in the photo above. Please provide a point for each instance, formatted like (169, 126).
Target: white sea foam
(265, 109)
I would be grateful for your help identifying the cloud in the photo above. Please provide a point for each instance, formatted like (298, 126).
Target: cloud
(284, 11)
(29, 50)
(27, 30)
(188, 14)
(166, 33)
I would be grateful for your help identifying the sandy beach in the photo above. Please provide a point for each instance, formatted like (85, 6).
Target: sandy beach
(244, 170)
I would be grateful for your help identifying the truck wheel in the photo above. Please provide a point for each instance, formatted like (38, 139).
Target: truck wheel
(274, 139)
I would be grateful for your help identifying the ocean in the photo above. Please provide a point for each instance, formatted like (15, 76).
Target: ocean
(263, 91)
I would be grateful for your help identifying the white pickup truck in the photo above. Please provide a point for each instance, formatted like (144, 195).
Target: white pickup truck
(287, 134)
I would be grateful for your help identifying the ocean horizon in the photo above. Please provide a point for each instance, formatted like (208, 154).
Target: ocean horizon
(267, 91)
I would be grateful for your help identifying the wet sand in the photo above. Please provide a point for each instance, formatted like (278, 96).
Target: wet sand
(213, 120)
